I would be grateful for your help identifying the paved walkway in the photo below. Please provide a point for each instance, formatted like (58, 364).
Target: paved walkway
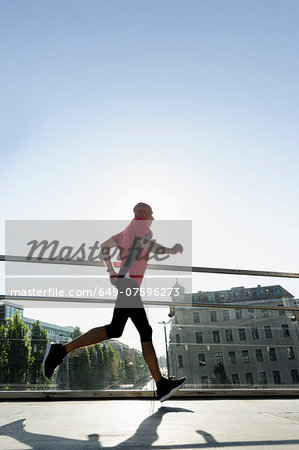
(144, 424)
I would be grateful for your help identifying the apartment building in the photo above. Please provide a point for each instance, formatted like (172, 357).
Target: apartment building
(250, 348)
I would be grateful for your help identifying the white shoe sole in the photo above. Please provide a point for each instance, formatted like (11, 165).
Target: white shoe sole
(162, 399)
(44, 360)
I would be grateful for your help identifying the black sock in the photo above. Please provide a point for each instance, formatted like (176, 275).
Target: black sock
(160, 381)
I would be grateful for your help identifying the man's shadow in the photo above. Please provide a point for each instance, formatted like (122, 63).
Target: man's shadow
(145, 435)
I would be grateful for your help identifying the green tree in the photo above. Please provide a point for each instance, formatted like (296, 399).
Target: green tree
(76, 332)
(143, 373)
(136, 370)
(18, 356)
(79, 365)
(79, 369)
(112, 366)
(93, 372)
(99, 369)
(100, 366)
(39, 342)
(3, 355)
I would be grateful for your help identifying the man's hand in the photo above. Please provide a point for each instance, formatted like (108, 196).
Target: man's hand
(177, 248)
(113, 277)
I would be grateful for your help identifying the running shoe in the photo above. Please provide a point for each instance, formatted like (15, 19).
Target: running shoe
(53, 357)
(166, 387)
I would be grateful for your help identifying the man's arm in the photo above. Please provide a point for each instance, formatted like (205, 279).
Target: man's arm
(151, 246)
(158, 248)
(105, 247)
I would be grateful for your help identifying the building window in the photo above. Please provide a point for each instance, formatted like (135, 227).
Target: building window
(229, 335)
(290, 353)
(245, 356)
(178, 339)
(198, 337)
(272, 354)
(201, 359)
(239, 315)
(235, 378)
(276, 377)
(196, 318)
(180, 361)
(255, 333)
(216, 337)
(204, 381)
(268, 332)
(259, 355)
(219, 358)
(295, 375)
(263, 378)
(251, 313)
(213, 316)
(249, 378)
(281, 312)
(233, 358)
(265, 313)
(285, 330)
(242, 334)
(225, 315)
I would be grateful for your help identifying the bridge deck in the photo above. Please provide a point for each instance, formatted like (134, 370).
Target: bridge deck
(143, 424)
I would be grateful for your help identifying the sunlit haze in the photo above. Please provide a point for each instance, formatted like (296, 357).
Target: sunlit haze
(191, 107)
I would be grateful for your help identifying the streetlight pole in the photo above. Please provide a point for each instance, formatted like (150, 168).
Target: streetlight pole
(166, 348)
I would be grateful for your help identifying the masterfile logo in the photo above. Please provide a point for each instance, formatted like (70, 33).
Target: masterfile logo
(66, 258)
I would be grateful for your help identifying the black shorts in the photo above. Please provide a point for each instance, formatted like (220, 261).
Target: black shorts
(129, 305)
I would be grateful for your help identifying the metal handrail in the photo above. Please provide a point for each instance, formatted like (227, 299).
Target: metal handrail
(261, 273)
(174, 268)
(149, 302)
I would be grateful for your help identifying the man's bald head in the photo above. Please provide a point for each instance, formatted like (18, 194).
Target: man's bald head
(138, 209)
(143, 210)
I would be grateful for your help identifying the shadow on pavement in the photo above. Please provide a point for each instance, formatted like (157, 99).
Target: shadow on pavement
(144, 437)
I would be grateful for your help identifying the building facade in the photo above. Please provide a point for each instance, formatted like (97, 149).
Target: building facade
(241, 347)
(8, 309)
(56, 333)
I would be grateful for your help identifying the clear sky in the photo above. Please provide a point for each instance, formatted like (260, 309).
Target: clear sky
(191, 106)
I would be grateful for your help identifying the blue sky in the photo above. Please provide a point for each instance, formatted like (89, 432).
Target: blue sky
(191, 106)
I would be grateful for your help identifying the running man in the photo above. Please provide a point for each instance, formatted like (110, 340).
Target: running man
(135, 243)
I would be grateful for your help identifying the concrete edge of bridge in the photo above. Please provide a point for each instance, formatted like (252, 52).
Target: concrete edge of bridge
(139, 394)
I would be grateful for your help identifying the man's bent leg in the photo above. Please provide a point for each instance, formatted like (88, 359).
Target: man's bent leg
(99, 334)
(93, 336)
(165, 387)
(140, 320)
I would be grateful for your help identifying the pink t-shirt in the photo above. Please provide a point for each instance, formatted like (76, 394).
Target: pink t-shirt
(138, 228)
